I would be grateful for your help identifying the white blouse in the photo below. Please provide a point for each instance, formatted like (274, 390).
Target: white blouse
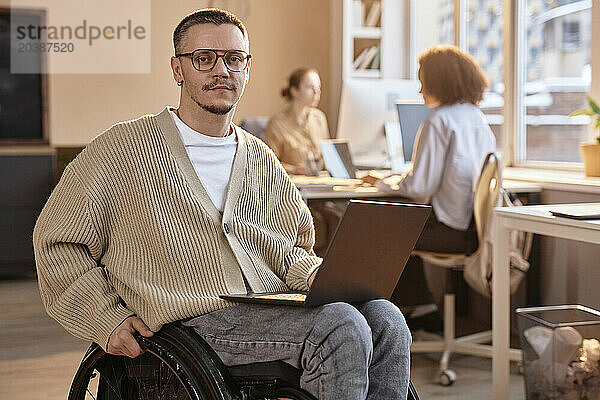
(449, 151)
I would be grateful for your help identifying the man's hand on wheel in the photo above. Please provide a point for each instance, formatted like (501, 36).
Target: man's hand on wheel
(121, 341)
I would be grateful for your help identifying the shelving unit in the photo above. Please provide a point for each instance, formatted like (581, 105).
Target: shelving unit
(372, 39)
(367, 32)
(367, 73)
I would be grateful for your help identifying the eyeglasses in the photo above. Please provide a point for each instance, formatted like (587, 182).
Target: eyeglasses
(206, 59)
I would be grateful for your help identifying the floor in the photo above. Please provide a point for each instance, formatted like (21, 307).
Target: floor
(38, 358)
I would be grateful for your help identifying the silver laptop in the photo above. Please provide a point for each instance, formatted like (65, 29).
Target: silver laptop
(364, 260)
(337, 158)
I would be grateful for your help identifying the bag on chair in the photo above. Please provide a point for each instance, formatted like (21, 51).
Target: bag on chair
(478, 266)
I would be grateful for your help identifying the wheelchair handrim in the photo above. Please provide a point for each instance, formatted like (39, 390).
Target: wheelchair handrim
(186, 378)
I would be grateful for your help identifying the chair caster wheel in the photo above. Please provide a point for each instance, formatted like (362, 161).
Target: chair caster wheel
(446, 377)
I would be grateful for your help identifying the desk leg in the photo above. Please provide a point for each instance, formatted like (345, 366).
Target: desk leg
(501, 312)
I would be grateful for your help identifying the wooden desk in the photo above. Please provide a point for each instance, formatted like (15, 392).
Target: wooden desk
(536, 219)
(325, 188)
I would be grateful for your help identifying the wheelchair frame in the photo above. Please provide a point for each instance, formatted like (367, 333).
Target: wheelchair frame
(200, 371)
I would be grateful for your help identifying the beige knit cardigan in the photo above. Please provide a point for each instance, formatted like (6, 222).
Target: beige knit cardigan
(130, 220)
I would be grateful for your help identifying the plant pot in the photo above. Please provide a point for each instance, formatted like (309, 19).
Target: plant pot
(590, 154)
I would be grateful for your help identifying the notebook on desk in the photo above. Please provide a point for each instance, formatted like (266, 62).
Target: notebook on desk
(364, 260)
(577, 211)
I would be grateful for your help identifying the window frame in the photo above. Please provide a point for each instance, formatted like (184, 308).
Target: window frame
(514, 58)
(513, 65)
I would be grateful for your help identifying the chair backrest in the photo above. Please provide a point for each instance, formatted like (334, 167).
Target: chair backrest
(255, 126)
(478, 267)
(487, 193)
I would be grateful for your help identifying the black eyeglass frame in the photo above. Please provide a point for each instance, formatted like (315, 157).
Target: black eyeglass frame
(247, 58)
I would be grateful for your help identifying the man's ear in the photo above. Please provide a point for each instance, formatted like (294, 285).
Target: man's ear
(248, 70)
(176, 68)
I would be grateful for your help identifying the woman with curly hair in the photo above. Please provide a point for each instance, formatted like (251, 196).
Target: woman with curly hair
(448, 155)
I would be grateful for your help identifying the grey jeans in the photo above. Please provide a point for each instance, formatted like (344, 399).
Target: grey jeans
(344, 351)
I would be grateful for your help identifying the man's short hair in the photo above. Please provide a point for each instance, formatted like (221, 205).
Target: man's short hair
(451, 75)
(205, 16)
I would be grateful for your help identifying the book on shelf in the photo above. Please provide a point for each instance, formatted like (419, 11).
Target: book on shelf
(358, 12)
(366, 62)
(377, 59)
(358, 60)
(374, 14)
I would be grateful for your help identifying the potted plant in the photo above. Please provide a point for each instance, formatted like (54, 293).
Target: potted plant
(590, 152)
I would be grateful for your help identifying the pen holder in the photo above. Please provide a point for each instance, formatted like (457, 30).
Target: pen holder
(561, 352)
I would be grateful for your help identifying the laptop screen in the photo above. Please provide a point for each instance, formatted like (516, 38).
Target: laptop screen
(410, 116)
(337, 158)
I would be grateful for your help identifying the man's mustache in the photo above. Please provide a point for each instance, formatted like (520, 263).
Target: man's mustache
(209, 86)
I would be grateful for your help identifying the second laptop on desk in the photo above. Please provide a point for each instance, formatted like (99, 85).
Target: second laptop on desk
(338, 159)
(582, 211)
(364, 260)
(400, 138)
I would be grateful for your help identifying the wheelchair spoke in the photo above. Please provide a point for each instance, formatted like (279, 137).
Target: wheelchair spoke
(113, 388)
(92, 382)
(147, 377)
(159, 382)
(159, 388)
(141, 388)
(167, 385)
(94, 385)
(164, 372)
(91, 394)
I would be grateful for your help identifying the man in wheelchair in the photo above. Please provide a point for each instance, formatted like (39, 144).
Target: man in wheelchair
(160, 215)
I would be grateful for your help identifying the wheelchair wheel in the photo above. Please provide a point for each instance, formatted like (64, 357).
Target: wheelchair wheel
(157, 374)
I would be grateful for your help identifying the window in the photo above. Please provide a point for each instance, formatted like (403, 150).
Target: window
(483, 33)
(557, 78)
(571, 39)
(550, 68)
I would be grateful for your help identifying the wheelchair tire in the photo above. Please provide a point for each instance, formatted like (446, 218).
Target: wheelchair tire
(187, 377)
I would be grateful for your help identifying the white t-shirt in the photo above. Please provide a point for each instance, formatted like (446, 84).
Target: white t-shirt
(212, 158)
(449, 151)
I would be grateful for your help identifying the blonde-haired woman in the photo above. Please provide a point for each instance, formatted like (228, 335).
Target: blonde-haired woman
(294, 133)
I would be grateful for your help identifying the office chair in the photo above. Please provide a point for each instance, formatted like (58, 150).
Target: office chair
(486, 198)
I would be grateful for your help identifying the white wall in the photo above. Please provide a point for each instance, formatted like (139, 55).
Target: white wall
(284, 34)
(335, 62)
